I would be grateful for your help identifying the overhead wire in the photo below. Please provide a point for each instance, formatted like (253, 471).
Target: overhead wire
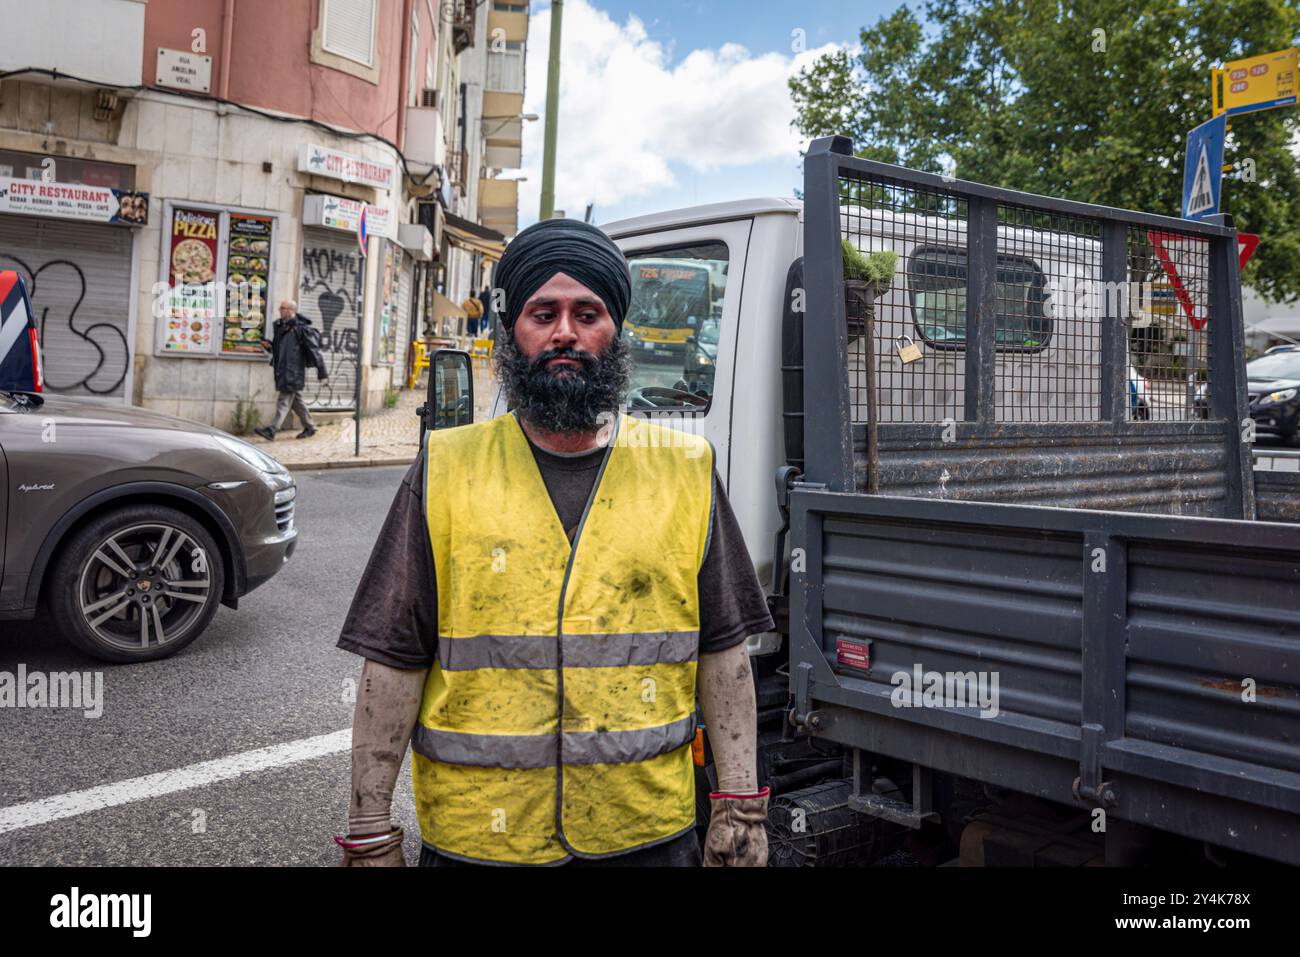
(209, 98)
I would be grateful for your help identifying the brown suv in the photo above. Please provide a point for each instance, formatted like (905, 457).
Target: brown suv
(131, 526)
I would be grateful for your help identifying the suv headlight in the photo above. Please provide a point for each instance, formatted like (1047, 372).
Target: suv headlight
(1286, 395)
(251, 455)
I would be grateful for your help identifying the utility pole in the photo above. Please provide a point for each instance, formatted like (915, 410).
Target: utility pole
(552, 112)
(356, 386)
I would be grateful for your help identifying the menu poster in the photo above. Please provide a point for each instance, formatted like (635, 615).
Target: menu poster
(192, 273)
(248, 277)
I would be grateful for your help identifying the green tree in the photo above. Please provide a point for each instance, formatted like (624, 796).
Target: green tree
(1084, 99)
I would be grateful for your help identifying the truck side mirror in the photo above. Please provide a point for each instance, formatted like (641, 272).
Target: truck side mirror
(451, 390)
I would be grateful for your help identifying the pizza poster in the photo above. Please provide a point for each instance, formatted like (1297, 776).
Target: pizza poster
(191, 315)
(248, 277)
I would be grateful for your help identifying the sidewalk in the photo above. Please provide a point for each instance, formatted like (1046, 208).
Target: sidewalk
(391, 437)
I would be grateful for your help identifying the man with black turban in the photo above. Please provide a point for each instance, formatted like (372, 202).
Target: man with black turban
(549, 593)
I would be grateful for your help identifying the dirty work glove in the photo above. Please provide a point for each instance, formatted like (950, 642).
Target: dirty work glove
(736, 835)
(375, 850)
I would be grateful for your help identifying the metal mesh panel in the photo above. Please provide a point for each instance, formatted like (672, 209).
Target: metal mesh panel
(924, 304)
(1168, 312)
(1048, 317)
(1050, 308)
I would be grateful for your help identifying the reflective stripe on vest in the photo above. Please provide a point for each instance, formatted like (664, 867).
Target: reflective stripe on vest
(580, 651)
(558, 717)
(539, 750)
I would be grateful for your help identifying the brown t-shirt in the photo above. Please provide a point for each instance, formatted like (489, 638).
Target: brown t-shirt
(394, 615)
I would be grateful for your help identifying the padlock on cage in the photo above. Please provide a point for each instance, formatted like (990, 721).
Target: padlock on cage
(908, 351)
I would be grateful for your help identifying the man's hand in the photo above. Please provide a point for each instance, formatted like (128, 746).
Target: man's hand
(726, 686)
(737, 837)
(388, 703)
(372, 850)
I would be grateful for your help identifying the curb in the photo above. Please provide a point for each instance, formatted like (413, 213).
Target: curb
(355, 463)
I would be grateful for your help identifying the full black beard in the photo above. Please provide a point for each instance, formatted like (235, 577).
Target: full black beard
(567, 399)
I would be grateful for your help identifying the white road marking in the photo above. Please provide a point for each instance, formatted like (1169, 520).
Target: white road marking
(59, 806)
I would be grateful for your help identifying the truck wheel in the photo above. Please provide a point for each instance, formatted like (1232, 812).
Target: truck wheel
(136, 584)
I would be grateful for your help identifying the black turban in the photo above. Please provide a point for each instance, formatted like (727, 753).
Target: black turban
(569, 246)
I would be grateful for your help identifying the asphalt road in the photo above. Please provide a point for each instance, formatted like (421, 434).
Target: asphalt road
(267, 674)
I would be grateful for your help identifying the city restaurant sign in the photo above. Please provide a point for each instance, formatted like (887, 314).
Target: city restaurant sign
(319, 161)
(336, 212)
(92, 204)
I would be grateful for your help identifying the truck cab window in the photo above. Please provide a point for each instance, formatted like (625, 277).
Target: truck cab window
(674, 325)
(937, 280)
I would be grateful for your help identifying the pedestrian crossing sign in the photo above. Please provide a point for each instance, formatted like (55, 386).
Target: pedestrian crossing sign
(1203, 169)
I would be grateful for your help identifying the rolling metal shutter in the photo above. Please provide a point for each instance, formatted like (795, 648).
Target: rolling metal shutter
(79, 277)
(329, 289)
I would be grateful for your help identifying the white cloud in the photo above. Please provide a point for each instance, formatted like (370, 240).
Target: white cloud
(629, 121)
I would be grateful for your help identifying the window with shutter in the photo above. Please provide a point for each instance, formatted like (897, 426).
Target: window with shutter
(505, 73)
(413, 78)
(349, 29)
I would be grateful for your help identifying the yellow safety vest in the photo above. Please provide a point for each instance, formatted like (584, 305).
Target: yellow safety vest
(558, 718)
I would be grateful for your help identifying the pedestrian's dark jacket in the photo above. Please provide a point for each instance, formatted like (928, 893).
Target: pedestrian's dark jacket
(294, 344)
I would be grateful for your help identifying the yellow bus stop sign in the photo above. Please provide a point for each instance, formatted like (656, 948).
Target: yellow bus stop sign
(1256, 83)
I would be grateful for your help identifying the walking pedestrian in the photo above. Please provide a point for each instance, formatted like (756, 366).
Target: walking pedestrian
(295, 342)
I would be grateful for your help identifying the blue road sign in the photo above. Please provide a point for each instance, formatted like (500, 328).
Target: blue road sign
(1203, 168)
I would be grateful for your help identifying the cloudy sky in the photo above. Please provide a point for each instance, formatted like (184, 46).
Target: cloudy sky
(675, 102)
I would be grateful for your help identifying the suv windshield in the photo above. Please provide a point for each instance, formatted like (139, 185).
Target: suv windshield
(1280, 365)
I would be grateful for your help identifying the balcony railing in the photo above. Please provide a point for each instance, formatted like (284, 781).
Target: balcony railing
(462, 23)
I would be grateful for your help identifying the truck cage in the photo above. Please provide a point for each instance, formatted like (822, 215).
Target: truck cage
(986, 410)
(1145, 662)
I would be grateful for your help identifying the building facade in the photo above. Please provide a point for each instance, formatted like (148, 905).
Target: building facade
(171, 170)
(476, 141)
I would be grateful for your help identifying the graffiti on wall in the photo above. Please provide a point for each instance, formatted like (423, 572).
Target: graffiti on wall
(330, 296)
(78, 357)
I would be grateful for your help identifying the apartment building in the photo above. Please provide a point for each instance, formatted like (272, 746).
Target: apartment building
(479, 149)
(171, 170)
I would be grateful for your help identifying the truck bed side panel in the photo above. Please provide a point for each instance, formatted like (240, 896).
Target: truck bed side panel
(1154, 655)
(1277, 485)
